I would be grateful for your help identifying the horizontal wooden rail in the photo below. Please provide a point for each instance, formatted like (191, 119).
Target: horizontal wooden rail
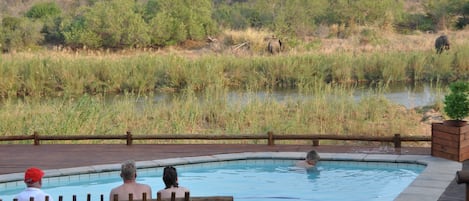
(397, 139)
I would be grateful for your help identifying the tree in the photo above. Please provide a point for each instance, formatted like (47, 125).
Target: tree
(442, 11)
(179, 20)
(43, 10)
(20, 33)
(77, 35)
(297, 17)
(116, 24)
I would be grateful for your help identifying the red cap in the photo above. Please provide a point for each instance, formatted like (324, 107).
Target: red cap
(33, 175)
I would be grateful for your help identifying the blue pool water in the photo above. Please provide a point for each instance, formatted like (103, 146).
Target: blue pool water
(252, 180)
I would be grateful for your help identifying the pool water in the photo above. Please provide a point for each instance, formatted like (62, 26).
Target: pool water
(253, 180)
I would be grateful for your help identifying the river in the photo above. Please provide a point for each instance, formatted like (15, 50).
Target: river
(410, 96)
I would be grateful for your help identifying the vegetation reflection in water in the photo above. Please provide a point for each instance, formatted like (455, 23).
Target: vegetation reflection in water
(261, 180)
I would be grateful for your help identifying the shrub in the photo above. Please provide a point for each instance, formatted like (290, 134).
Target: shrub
(457, 102)
(43, 10)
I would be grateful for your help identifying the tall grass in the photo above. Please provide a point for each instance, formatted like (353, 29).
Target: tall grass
(323, 110)
(55, 74)
(64, 94)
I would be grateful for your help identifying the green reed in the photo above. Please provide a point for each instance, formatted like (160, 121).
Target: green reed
(323, 110)
(43, 92)
(54, 74)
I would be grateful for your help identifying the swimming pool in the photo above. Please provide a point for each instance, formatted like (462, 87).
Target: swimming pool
(255, 180)
(428, 186)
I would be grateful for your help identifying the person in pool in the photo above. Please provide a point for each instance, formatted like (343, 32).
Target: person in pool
(312, 157)
(130, 186)
(170, 179)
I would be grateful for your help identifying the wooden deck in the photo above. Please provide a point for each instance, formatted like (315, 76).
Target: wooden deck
(16, 158)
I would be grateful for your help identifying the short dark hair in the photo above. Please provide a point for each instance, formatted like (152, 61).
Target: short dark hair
(170, 176)
(312, 155)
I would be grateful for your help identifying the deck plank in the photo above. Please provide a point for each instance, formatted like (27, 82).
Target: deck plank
(17, 158)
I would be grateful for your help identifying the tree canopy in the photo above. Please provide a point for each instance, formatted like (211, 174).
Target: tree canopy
(148, 23)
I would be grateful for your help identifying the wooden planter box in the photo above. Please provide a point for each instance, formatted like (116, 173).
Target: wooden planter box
(450, 142)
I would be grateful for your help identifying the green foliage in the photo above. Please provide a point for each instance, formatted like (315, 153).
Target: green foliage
(43, 10)
(463, 19)
(298, 17)
(52, 31)
(414, 21)
(457, 102)
(117, 24)
(442, 12)
(47, 13)
(77, 35)
(20, 33)
(140, 23)
(150, 10)
(231, 16)
(180, 20)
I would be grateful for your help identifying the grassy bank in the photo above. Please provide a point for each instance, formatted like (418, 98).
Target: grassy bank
(328, 111)
(49, 74)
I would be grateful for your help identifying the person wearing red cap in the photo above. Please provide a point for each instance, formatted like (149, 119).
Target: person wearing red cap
(33, 180)
(130, 186)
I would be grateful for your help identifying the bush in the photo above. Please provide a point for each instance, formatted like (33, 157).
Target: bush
(457, 102)
(20, 33)
(412, 22)
(181, 20)
(43, 10)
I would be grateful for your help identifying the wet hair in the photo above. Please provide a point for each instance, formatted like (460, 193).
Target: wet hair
(312, 156)
(128, 170)
(170, 176)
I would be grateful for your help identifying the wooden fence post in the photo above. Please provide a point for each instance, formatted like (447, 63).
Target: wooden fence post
(158, 196)
(129, 138)
(186, 196)
(173, 196)
(36, 138)
(315, 143)
(270, 141)
(131, 197)
(397, 140)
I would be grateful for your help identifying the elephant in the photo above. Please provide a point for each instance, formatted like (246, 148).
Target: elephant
(274, 46)
(441, 44)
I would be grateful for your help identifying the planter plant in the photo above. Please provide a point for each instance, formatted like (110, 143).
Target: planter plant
(457, 103)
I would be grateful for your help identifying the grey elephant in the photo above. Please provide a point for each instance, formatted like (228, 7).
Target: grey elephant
(274, 45)
(441, 44)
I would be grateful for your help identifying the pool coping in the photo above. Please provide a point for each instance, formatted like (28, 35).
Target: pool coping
(428, 186)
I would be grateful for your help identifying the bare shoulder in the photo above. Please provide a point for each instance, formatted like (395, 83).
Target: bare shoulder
(146, 186)
(301, 163)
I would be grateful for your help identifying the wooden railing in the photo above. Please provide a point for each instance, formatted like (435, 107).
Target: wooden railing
(271, 138)
(173, 197)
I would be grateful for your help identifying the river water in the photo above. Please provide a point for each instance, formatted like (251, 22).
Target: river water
(410, 96)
